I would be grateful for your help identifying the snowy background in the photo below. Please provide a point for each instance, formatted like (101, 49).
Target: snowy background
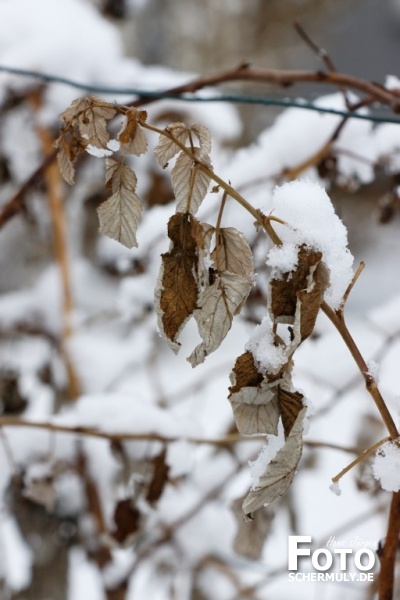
(90, 518)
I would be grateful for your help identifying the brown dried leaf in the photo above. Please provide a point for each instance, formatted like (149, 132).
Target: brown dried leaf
(131, 136)
(70, 146)
(310, 300)
(65, 164)
(166, 148)
(245, 373)
(280, 472)
(290, 404)
(90, 116)
(297, 298)
(177, 288)
(251, 533)
(92, 124)
(119, 215)
(233, 253)
(127, 520)
(217, 306)
(78, 106)
(283, 292)
(189, 182)
(159, 479)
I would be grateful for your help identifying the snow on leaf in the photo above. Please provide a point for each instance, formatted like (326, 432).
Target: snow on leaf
(297, 296)
(233, 253)
(177, 287)
(189, 182)
(280, 471)
(119, 215)
(167, 148)
(217, 306)
(131, 136)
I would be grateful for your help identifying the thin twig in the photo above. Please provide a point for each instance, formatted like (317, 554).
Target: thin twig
(389, 553)
(360, 458)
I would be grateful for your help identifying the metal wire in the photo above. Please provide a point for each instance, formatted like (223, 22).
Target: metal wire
(193, 97)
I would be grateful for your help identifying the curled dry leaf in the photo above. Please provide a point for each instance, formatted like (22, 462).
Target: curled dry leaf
(119, 215)
(69, 147)
(177, 286)
(166, 147)
(131, 136)
(90, 116)
(217, 306)
(251, 533)
(189, 182)
(280, 471)
(258, 401)
(226, 292)
(233, 253)
(296, 297)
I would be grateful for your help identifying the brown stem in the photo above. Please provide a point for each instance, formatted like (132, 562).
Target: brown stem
(338, 321)
(285, 78)
(388, 555)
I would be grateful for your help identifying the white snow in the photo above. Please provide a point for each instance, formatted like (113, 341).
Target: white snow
(311, 220)
(268, 452)
(386, 466)
(268, 356)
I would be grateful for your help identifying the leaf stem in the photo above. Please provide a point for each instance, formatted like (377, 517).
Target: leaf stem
(337, 319)
(359, 459)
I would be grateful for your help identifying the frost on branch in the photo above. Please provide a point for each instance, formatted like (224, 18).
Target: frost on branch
(119, 215)
(189, 180)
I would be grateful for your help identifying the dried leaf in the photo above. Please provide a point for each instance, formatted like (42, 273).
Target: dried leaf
(167, 148)
(290, 404)
(280, 471)
(256, 409)
(131, 136)
(233, 253)
(283, 292)
(42, 492)
(189, 182)
(119, 215)
(217, 306)
(65, 164)
(177, 286)
(297, 297)
(204, 137)
(245, 373)
(127, 520)
(251, 533)
(159, 479)
(70, 146)
(310, 300)
(90, 116)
